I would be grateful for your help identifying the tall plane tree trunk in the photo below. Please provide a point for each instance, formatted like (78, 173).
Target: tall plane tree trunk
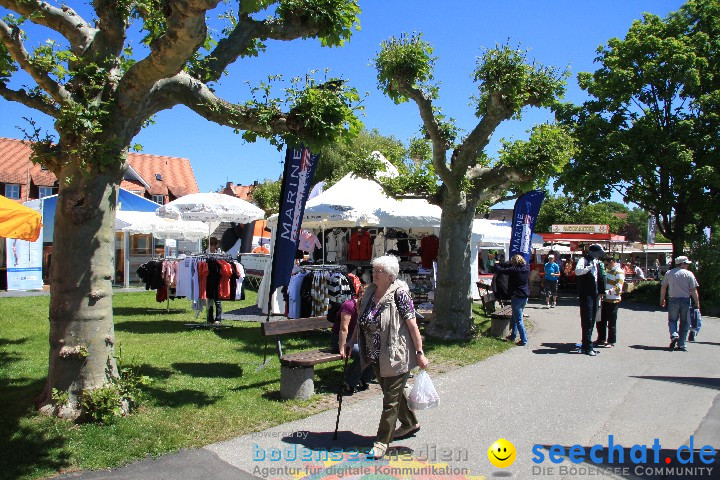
(453, 295)
(82, 335)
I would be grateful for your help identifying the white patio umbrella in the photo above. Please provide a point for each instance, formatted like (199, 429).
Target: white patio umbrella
(211, 209)
(163, 228)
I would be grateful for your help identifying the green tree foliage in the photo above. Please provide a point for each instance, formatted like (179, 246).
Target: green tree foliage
(355, 155)
(463, 176)
(266, 195)
(705, 253)
(651, 129)
(101, 83)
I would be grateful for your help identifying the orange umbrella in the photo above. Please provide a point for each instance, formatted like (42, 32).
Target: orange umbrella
(19, 221)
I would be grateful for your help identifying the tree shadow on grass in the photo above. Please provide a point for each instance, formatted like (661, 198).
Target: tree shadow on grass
(19, 341)
(210, 369)
(132, 311)
(27, 450)
(180, 398)
(151, 326)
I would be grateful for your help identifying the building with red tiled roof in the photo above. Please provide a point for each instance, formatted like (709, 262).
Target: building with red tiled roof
(243, 192)
(156, 177)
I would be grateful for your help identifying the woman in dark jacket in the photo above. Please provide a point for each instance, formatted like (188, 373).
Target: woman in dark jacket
(518, 288)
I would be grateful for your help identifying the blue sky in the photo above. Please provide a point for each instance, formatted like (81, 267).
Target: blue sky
(557, 33)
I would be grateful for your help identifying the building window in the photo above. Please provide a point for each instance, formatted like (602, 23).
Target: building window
(44, 192)
(159, 199)
(141, 245)
(12, 190)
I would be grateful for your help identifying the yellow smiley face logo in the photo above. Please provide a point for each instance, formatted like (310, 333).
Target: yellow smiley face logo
(502, 453)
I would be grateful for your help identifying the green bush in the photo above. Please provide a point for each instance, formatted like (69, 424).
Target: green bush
(707, 256)
(645, 292)
(120, 397)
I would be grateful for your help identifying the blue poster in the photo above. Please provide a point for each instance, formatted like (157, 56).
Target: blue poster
(525, 213)
(299, 169)
(24, 260)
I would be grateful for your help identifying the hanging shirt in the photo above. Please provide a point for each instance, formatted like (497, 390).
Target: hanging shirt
(378, 246)
(294, 299)
(307, 241)
(430, 245)
(360, 246)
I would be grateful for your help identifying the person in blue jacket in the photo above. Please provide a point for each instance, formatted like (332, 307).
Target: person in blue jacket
(519, 291)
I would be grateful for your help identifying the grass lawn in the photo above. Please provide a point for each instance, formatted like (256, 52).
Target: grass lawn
(205, 384)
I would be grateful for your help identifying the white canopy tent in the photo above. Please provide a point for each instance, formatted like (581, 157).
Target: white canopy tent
(162, 228)
(358, 202)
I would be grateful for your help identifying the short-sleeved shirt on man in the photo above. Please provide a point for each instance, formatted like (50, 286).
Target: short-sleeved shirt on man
(680, 282)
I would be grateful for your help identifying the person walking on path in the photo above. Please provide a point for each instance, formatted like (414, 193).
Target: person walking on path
(552, 276)
(590, 283)
(390, 341)
(519, 290)
(356, 378)
(682, 285)
(607, 326)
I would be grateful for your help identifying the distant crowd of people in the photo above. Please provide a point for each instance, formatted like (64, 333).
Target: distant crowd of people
(600, 278)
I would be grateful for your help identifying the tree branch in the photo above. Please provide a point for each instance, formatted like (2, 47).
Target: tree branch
(440, 144)
(186, 31)
(37, 102)
(243, 37)
(477, 140)
(186, 90)
(63, 20)
(110, 36)
(10, 37)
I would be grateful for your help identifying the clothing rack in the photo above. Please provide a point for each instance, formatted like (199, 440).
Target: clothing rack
(326, 268)
(204, 256)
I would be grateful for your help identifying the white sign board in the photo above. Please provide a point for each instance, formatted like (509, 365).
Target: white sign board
(580, 228)
(255, 263)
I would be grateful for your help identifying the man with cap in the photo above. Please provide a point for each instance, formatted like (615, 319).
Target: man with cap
(552, 275)
(682, 285)
(590, 283)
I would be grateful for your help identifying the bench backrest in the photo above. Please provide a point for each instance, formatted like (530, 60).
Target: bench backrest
(488, 302)
(294, 325)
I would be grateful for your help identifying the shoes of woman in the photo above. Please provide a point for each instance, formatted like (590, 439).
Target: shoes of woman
(406, 431)
(378, 450)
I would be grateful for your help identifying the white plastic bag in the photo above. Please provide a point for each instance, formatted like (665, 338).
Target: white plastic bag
(423, 394)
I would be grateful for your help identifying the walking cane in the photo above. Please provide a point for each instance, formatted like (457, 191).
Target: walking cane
(340, 396)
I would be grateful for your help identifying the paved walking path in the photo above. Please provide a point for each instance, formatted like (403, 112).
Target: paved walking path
(540, 394)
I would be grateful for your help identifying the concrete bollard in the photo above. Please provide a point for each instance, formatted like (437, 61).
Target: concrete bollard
(296, 382)
(500, 327)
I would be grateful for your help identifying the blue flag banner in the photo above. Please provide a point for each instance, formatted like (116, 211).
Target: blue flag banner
(525, 213)
(298, 173)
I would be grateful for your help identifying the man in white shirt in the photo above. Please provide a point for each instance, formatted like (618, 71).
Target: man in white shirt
(682, 285)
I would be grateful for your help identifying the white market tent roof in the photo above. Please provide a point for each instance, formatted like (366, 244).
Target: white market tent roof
(163, 228)
(496, 233)
(358, 202)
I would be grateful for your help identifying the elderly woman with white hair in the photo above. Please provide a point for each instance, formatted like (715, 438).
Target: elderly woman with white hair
(390, 341)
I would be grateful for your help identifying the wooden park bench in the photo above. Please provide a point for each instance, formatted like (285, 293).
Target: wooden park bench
(297, 370)
(500, 319)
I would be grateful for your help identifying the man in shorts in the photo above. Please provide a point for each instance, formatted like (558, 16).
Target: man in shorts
(552, 275)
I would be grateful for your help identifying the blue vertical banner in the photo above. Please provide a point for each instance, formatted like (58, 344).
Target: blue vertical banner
(525, 213)
(298, 173)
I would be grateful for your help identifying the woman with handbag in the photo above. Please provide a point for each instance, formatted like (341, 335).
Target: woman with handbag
(389, 340)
